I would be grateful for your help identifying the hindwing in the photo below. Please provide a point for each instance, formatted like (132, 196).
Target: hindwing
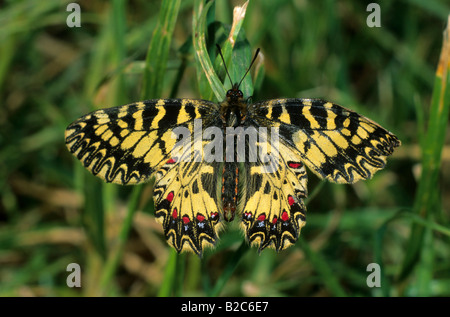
(185, 195)
(273, 211)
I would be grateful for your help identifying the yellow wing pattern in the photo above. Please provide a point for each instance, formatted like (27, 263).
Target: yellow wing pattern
(273, 209)
(126, 145)
(133, 143)
(130, 144)
(334, 142)
(185, 195)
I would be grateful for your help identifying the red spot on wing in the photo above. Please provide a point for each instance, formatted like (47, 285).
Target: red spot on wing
(295, 165)
(170, 197)
(200, 218)
(261, 218)
(171, 161)
(214, 216)
(175, 213)
(186, 219)
(291, 200)
(275, 219)
(285, 216)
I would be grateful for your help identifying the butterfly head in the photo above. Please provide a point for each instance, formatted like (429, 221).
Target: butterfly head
(233, 109)
(234, 95)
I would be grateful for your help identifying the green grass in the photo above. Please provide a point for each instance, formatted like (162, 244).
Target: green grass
(53, 212)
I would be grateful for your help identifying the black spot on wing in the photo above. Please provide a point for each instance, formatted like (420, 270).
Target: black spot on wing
(320, 114)
(276, 112)
(267, 188)
(195, 187)
(148, 113)
(297, 117)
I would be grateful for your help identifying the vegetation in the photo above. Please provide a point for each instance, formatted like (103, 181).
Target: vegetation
(53, 212)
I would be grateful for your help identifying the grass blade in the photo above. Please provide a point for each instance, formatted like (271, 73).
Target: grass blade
(426, 199)
(115, 254)
(201, 53)
(169, 275)
(158, 51)
(155, 68)
(323, 269)
(229, 269)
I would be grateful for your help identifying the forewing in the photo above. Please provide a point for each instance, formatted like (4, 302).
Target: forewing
(336, 143)
(127, 144)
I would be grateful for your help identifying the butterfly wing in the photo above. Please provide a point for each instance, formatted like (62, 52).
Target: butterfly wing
(185, 195)
(273, 211)
(336, 143)
(130, 144)
(127, 144)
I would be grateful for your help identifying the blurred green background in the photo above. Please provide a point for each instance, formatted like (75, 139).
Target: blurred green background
(53, 212)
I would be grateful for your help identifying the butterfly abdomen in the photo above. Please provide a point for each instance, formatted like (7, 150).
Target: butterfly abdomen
(229, 189)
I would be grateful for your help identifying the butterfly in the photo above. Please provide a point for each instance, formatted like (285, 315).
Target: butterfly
(214, 161)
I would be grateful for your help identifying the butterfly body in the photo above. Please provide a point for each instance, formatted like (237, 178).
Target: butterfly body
(232, 111)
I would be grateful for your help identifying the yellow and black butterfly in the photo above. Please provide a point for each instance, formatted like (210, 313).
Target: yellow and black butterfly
(202, 182)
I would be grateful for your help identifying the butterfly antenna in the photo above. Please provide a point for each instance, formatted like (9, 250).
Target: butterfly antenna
(223, 59)
(248, 69)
